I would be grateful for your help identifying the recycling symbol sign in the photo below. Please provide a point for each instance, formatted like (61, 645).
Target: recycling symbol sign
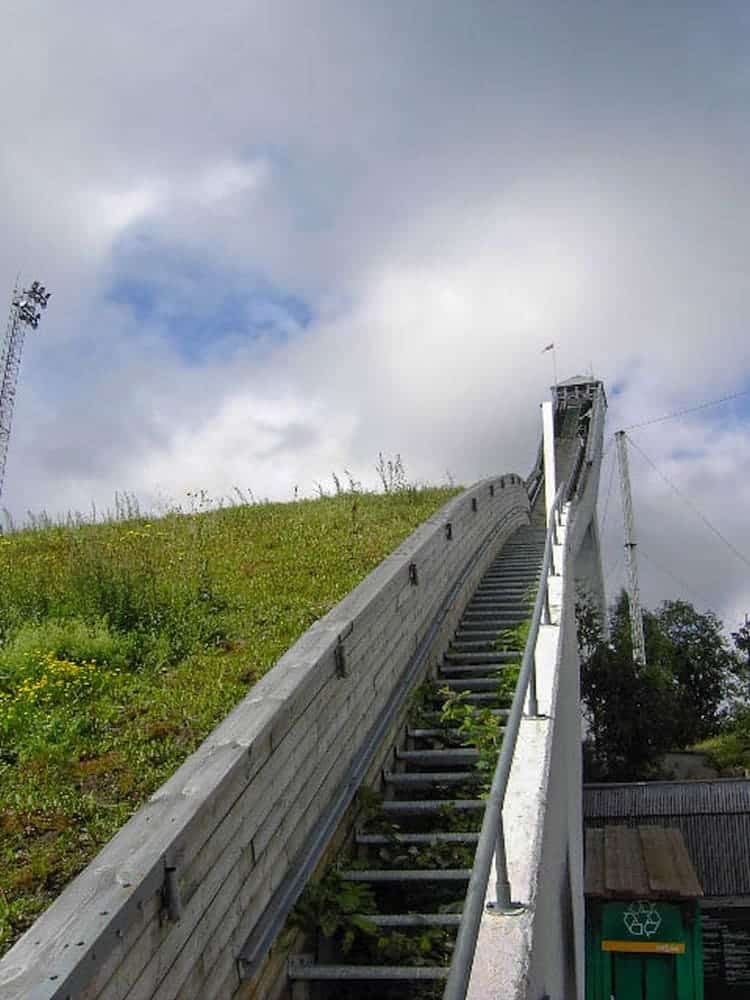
(642, 919)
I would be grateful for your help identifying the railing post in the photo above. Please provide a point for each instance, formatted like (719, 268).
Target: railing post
(502, 885)
(533, 702)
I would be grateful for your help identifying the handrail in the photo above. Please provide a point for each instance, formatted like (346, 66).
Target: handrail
(492, 837)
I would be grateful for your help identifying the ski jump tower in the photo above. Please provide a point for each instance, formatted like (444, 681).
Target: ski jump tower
(25, 311)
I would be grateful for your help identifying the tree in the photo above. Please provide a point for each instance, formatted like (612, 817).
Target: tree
(703, 668)
(741, 639)
(625, 704)
(637, 712)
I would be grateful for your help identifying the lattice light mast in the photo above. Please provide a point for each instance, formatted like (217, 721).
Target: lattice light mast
(634, 593)
(25, 311)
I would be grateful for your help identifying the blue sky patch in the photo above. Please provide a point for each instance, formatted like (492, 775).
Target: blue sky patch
(200, 309)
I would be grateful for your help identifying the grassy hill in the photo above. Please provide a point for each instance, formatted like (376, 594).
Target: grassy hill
(122, 645)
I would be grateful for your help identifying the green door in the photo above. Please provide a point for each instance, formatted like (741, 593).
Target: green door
(661, 978)
(643, 950)
(644, 977)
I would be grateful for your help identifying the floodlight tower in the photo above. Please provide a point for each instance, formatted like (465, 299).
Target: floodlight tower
(634, 593)
(25, 311)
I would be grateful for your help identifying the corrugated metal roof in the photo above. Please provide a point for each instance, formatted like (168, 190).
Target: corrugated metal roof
(649, 862)
(713, 817)
(667, 798)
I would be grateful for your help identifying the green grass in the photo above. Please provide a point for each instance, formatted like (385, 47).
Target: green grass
(123, 645)
(729, 752)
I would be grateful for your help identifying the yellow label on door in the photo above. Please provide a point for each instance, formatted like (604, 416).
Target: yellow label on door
(654, 947)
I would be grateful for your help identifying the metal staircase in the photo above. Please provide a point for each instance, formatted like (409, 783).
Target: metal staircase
(416, 850)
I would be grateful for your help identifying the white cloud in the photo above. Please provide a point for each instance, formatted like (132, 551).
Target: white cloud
(449, 193)
(224, 181)
(104, 214)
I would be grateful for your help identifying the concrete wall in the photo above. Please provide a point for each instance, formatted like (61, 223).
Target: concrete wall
(556, 963)
(235, 818)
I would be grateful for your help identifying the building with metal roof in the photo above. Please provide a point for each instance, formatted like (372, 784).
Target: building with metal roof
(707, 813)
(713, 817)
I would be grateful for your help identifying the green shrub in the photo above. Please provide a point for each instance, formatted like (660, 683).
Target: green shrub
(65, 639)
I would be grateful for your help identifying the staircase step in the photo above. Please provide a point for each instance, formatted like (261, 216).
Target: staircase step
(499, 614)
(415, 839)
(413, 919)
(526, 570)
(433, 734)
(382, 875)
(490, 606)
(299, 970)
(513, 581)
(471, 684)
(485, 620)
(492, 656)
(478, 634)
(419, 807)
(420, 778)
(436, 716)
(450, 757)
(509, 604)
(522, 592)
(452, 670)
(480, 612)
(512, 596)
(474, 645)
(483, 698)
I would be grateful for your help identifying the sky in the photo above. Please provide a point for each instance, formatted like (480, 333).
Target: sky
(283, 237)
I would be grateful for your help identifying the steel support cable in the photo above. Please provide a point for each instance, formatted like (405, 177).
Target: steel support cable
(677, 579)
(687, 410)
(732, 548)
(612, 571)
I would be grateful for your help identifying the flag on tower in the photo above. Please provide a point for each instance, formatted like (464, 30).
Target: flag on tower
(549, 347)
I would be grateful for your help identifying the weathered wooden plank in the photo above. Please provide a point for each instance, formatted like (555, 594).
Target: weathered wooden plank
(669, 869)
(291, 832)
(223, 869)
(623, 863)
(218, 837)
(212, 933)
(593, 879)
(658, 862)
(197, 923)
